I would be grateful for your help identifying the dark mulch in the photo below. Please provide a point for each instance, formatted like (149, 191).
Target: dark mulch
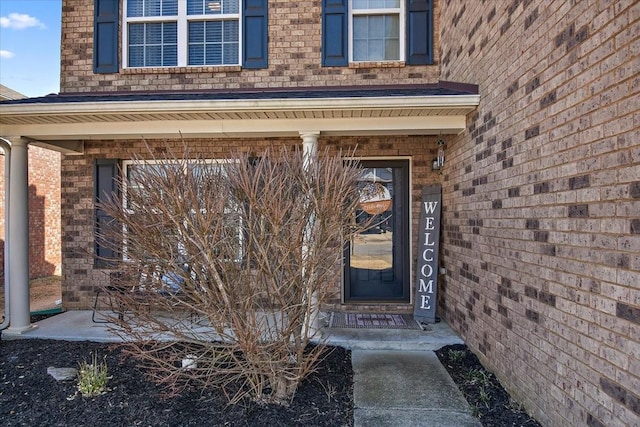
(488, 399)
(30, 397)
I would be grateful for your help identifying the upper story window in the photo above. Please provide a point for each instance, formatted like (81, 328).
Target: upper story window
(377, 30)
(169, 33)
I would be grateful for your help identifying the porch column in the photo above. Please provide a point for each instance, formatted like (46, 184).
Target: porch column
(18, 236)
(310, 152)
(6, 148)
(309, 147)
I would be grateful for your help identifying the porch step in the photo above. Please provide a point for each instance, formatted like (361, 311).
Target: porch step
(433, 337)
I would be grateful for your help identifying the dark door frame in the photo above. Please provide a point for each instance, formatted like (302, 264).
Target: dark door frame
(404, 218)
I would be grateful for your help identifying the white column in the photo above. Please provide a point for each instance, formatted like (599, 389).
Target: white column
(18, 233)
(309, 147)
(6, 147)
(310, 152)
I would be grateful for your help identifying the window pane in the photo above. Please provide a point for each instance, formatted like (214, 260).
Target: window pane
(153, 33)
(169, 7)
(213, 43)
(196, 32)
(214, 32)
(392, 26)
(375, 27)
(196, 54)
(214, 54)
(195, 7)
(136, 56)
(376, 38)
(392, 50)
(231, 6)
(231, 53)
(360, 50)
(138, 8)
(376, 50)
(153, 56)
(170, 55)
(152, 8)
(135, 8)
(212, 7)
(136, 34)
(376, 4)
(360, 28)
(392, 37)
(169, 33)
(152, 45)
(231, 31)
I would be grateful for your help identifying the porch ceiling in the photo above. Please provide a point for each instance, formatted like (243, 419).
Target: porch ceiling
(58, 121)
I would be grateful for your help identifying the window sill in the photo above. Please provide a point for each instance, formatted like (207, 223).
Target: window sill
(183, 70)
(379, 64)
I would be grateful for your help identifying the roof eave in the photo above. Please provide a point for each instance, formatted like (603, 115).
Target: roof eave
(55, 123)
(195, 106)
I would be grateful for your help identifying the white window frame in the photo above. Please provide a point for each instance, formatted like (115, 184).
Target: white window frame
(400, 11)
(182, 19)
(125, 191)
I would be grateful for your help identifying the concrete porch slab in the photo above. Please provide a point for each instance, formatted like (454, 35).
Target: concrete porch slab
(77, 325)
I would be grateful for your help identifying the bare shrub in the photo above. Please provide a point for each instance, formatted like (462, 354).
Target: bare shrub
(224, 266)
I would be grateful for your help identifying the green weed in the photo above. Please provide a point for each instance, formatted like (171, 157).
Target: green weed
(93, 377)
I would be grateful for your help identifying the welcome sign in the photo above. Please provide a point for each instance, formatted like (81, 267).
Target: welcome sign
(428, 247)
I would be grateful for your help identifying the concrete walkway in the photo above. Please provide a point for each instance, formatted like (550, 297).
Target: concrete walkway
(398, 380)
(406, 388)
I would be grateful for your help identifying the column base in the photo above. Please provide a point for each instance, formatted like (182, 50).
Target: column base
(11, 331)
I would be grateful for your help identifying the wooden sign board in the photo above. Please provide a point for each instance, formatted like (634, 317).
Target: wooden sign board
(424, 310)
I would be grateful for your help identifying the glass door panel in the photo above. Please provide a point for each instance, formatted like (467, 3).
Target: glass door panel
(377, 260)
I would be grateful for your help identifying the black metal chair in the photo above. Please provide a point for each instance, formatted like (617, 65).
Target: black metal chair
(109, 291)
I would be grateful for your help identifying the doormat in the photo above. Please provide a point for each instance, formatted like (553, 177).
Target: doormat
(373, 321)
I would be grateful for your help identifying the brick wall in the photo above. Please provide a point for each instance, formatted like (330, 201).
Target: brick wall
(294, 59)
(542, 199)
(81, 279)
(44, 212)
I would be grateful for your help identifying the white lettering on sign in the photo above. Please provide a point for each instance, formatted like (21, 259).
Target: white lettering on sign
(426, 271)
(430, 207)
(426, 287)
(428, 223)
(427, 238)
(425, 301)
(427, 268)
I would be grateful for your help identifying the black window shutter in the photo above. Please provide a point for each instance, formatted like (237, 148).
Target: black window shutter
(335, 47)
(105, 36)
(419, 32)
(255, 28)
(105, 185)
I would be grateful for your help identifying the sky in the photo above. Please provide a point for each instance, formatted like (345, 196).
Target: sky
(30, 46)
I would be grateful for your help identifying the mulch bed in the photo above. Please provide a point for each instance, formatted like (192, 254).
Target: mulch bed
(29, 396)
(488, 399)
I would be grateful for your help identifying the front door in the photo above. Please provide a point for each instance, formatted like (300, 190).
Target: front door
(377, 260)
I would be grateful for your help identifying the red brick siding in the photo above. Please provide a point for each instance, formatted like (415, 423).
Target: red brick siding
(542, 196)
(44, 212)
(294, 59)
(81, 279)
